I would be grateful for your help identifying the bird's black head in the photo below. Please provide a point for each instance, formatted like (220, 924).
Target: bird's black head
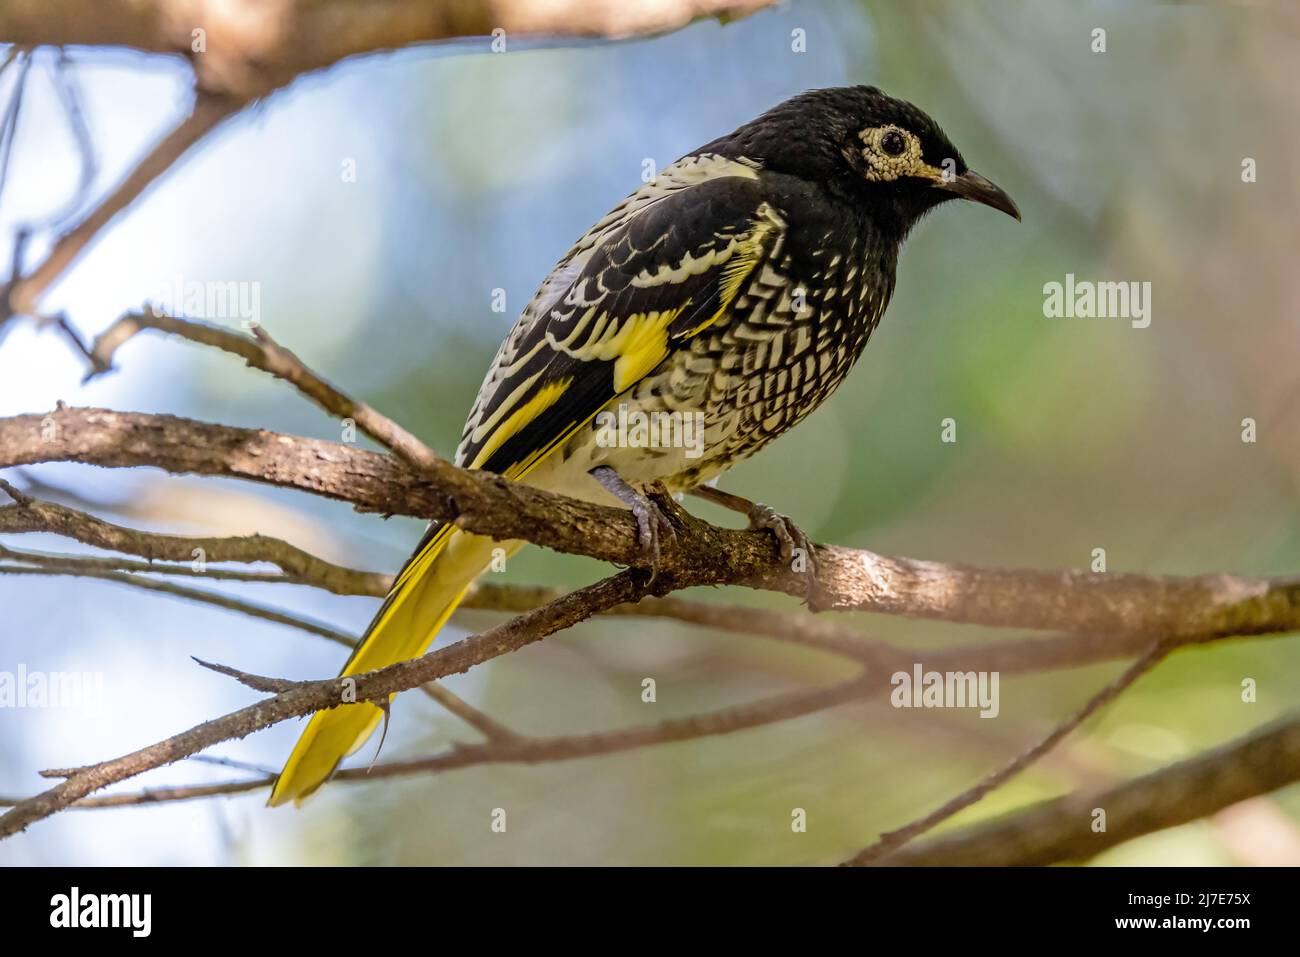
(864, 147)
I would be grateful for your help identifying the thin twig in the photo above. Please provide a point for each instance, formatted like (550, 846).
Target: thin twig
(21, 498)
(895, 839)
(485, 724)
(207, 112)
(248, 680)
(262, 352)
(530, 750)
(312, 696)
(1080, 826)
(35, 515)
(191, 594)
(728, 500)
(235, 763)
(800, 629)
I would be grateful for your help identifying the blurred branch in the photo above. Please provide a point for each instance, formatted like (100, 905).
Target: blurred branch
(1186, 609)
(243, 50)
(249, 48)
(1063, 829)
(485, 724)
(24, 293)
(890, 842)
(1271, 760)
(799, 629)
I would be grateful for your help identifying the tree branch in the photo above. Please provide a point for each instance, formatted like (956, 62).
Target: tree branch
(71, 568)
(517, 749)
(260, 351)
(1184, 608)
(1062, 829)
(253, 47)
(206, 114)
(35, 515)
(817, 632)
(1015, 656)
(242, 50)
(1006, 656)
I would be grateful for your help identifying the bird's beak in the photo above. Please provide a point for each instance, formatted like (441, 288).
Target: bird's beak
(971, 185)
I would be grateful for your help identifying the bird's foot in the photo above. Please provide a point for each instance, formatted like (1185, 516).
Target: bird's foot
(653, 525)
(797, 550)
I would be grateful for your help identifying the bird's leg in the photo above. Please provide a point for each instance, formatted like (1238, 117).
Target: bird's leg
(651, 522)
(797, 549)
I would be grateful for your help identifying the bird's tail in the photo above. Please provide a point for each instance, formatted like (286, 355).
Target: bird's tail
(426, 592)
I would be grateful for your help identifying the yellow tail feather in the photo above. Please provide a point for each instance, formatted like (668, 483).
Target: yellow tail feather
(426, 593)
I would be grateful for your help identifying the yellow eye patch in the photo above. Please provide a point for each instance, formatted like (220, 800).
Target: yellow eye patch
(886, 165)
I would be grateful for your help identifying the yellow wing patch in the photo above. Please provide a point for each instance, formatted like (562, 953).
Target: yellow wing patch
(546, 397)
(749, 252)
(637, 343)
(641, 344)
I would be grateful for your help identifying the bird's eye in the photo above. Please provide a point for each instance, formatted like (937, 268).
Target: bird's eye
(893, 143)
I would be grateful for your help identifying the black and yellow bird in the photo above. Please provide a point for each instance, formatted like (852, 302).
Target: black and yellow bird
(741, 284)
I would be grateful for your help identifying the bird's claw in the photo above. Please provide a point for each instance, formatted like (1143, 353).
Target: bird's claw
(653, 527)
(649, 510)
(797, 550)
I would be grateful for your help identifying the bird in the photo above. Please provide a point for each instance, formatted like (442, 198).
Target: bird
(735, 290)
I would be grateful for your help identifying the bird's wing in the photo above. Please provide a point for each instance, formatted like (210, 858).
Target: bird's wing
(657, 271)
